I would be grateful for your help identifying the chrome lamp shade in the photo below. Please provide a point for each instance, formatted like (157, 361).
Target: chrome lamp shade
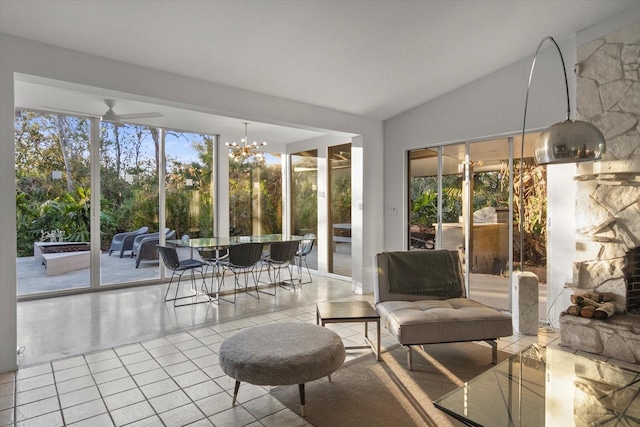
(570, 141)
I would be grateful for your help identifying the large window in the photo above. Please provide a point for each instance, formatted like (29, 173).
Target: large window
(53, 198)
(304, 195)
(340, 209)
(255, 195)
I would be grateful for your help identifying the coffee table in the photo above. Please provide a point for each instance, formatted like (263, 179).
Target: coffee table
(551, 386)
(350, 312)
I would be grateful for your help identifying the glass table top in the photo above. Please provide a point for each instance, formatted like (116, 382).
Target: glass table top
(225, 242)
(549, 387)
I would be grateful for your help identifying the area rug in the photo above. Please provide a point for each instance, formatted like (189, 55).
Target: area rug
(364, 392)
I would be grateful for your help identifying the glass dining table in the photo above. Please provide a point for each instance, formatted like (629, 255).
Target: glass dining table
(219, 244)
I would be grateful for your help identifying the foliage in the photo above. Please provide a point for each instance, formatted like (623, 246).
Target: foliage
(248, 203)
(534, 223)
(304, 194)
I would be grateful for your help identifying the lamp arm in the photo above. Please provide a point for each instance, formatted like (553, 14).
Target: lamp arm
(524, 126)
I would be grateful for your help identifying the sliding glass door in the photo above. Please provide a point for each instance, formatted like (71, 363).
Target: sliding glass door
(459, 199)
(53, 188)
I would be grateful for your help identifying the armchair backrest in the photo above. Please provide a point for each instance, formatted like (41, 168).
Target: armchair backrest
(418, 275)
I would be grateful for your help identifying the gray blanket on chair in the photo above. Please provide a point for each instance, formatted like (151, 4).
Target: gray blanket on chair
(432, 273)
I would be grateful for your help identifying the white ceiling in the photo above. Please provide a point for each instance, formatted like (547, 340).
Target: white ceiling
(374, 59)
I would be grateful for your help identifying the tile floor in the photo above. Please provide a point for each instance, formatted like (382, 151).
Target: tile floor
(175, 379)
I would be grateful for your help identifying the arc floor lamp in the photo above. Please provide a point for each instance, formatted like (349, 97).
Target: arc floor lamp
(570, 141)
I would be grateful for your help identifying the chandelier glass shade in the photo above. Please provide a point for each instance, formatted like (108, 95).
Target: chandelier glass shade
(244, 150)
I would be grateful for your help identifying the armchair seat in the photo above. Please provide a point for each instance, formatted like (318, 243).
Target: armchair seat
(441, 321)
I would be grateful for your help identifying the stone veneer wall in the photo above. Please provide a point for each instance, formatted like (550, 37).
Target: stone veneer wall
(608, 197)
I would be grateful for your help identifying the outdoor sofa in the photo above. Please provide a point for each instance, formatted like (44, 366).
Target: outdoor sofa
(421, 298)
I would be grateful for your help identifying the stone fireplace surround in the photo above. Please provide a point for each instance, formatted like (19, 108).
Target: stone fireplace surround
(608, 194)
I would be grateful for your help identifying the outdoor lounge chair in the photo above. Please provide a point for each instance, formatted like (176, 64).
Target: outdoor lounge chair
(421, 298)
(124, 241)
(145, 246)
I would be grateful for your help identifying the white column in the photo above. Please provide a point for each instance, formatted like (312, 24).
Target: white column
(8, 288)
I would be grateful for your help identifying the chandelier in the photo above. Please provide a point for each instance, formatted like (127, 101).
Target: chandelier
(244, 150)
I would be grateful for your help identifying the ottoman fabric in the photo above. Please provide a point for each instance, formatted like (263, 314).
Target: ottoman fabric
(281, 354)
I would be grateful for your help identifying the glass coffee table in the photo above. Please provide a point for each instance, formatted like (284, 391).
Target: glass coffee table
(548, 387)
(348, 312)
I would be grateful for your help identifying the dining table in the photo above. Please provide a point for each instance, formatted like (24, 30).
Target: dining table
(218, 244)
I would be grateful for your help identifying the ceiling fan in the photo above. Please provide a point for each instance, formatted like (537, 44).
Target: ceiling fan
(110, 115)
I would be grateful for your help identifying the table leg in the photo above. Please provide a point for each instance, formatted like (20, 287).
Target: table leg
(378, 340)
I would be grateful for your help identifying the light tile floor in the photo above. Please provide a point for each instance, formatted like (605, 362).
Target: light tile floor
(175, 379)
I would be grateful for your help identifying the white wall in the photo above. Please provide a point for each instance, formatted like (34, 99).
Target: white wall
(23, 56)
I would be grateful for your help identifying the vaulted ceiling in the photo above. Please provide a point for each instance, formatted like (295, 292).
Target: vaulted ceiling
(374, 59)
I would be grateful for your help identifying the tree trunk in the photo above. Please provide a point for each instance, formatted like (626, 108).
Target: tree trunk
(62, 126)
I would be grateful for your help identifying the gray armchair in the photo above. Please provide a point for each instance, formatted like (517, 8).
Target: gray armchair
(145, 247)
(124, 241)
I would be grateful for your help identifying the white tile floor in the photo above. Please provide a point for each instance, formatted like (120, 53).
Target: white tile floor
(173, 379)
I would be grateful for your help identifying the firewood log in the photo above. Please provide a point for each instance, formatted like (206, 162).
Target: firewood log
(574, 310)
(587, 302)
(587, 311)
(605, 311)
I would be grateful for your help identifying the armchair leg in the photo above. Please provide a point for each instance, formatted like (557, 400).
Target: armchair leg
(409, 357)
(494, 350)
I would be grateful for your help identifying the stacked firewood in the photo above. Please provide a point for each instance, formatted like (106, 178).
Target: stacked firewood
(597, 305)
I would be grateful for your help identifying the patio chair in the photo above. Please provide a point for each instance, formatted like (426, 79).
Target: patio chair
(281, 255)
(243, 259)
(145, 246)
(305, 246)
(179, 267)
(121, 242)
(214, 258)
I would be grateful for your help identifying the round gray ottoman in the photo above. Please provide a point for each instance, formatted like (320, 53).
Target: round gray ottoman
(281, 354)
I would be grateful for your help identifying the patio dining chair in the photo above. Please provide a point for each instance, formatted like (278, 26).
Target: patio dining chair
(305, 246)
(179, 267)
(242, 260)
(214, 258)
(281, 255)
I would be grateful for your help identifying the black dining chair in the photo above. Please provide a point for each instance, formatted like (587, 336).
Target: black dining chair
(281, 255)
(243, 259)
(304, 248)
(179, 267)
(214, 258)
